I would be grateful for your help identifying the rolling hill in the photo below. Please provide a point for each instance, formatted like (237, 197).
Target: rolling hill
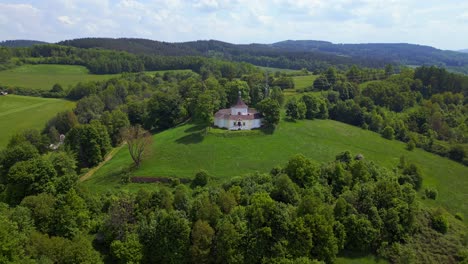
(44, 76)
(182, 151)
(293, 54)
(20, 43)
(18, 113)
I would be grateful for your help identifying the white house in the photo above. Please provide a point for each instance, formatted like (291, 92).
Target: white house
(238, 117)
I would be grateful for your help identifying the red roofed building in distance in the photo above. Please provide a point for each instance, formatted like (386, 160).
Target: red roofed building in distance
(238, 117)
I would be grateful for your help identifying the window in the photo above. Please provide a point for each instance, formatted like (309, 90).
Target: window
(234, 123)
(243, 123)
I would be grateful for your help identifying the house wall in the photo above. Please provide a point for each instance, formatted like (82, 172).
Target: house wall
(243, 111)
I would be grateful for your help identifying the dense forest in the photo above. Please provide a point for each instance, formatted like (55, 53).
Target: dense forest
(313, 55)
(300, 212)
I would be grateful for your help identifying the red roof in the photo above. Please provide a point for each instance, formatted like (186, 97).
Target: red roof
(240, 103)
(226, 114)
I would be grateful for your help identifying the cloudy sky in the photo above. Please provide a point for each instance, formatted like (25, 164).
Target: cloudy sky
(442, 24)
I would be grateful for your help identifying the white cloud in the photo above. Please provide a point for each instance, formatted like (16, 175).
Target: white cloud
(441, 24)
(65, 20)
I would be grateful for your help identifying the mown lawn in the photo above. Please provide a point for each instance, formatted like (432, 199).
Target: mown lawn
(182, 151)
(23, 112)
(44, 76)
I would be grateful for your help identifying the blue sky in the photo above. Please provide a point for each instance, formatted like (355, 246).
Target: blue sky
(442, 24)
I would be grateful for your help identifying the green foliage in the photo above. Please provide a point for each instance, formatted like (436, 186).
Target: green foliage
(295, 109)
(128, 251)
(440, 223)
(89, 142)
(430, 193)
(301, 170)
(115, 122)
(165, 238)
(30, 177)
(388, 133)
(202, 238)
(164, 110)
(89, 108)
(201, 179)
(270, 110)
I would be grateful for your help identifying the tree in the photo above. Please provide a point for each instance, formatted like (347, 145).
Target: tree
(31, 177)
(138, 141)
(277, 94)
(388, 133)
(89, 108)
(165, 238)
(204, 109)
(165, 109)
(86, 142)
(270, 110)
(128, 251)
(301, 170)
(202, 239)
(57, 88)
(115, 122)
(201, 179)
(295, 109)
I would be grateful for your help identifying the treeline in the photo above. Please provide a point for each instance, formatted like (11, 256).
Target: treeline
(257, 54)
(100, 61)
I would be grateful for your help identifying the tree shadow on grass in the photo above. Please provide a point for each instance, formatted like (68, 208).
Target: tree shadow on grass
(192, 138)
(195, 128)
(268, 130)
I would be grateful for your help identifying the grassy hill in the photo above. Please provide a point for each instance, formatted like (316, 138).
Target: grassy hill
(44, 76)
(182, 151)
(302, 82)
(22, 112)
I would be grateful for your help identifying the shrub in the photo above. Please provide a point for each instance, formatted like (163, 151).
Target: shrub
(201, 179)
(388, 133)
(440, 223)
(459, 216)
(410, 145)
(431, 193)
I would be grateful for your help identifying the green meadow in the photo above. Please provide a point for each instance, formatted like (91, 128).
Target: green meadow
(18, 113)
(303, 82)
(182, 151)
(44, 76)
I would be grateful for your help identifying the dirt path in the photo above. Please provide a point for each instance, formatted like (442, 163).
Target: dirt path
(106, 159)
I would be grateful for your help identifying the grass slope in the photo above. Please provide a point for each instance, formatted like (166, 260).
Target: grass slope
(181, 152)
(44, 76)
(302, 82)
(23, 112)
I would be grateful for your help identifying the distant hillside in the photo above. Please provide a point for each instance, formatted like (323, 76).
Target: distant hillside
(463, 50)
(19, 43)
(291, 54)
(408, 54)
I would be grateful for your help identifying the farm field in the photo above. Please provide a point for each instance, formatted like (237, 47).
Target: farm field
(23, 112)
(182, 151)
(44, 76)
(302, 82)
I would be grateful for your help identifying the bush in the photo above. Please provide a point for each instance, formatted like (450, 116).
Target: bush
(201, 179)
(440, 223)
(388, 133)
(410, 145)
(459, 216)
(431, 193)
(457, 153)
